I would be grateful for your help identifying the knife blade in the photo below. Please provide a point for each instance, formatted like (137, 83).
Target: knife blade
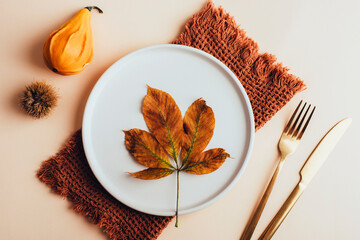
(322, 150)
(307, 172)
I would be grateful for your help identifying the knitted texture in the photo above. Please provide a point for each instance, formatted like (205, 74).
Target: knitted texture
(69, 175)
(267, 84)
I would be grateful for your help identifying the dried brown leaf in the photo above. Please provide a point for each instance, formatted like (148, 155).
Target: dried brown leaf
(152, 173)
(145, 149)
(199, 124)
(163, 117)
(207, 161)
(170, 133)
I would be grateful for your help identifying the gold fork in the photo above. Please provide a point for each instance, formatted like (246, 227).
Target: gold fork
(288, 143)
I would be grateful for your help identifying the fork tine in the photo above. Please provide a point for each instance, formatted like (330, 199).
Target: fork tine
(292, 117)
(306, 124)
(301, 122)
(297, 119)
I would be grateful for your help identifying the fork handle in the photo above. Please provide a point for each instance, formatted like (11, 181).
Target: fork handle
(283, 212)
(250, 227)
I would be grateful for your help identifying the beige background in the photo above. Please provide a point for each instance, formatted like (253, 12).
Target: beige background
(318, 40)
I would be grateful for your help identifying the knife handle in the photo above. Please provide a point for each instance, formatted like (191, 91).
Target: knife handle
(283, 212)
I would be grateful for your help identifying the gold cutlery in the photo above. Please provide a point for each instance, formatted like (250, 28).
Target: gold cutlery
(288, 143)
(307, 172)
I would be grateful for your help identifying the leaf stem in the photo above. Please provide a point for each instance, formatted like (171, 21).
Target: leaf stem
(177, 199)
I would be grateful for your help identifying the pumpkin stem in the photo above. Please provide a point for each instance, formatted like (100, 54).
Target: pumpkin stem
(91, 8)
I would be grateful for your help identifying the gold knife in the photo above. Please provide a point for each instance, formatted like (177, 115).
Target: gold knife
(307, 172)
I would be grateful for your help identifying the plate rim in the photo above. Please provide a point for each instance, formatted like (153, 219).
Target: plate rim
(100, 82)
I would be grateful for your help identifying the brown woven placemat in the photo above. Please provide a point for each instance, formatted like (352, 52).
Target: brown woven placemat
(212, 30)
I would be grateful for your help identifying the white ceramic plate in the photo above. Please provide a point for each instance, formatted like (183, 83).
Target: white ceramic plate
(115, 104)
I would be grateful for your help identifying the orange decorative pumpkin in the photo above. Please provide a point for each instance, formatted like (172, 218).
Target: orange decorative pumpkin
(69, 49)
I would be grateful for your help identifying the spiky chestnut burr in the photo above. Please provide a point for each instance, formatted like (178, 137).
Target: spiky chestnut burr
(39, 99)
